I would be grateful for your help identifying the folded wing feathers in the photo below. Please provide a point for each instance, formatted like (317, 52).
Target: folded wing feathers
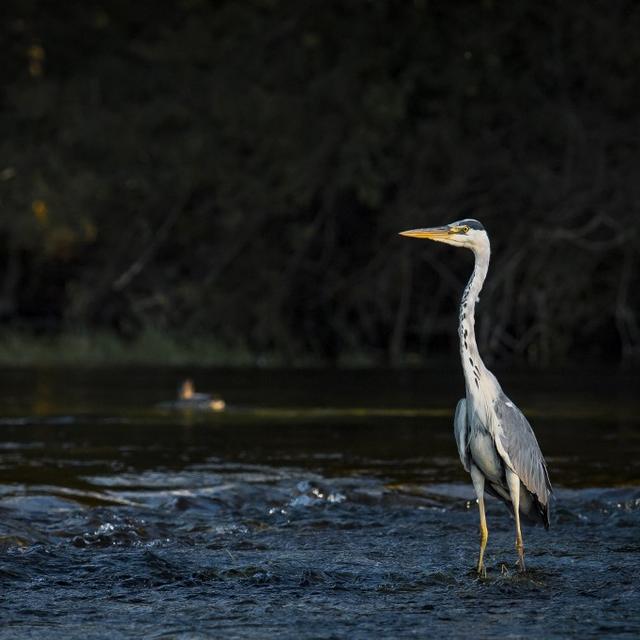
(462, 433)
(520, 444)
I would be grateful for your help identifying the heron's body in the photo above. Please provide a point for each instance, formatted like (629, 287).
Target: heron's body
(496, 444)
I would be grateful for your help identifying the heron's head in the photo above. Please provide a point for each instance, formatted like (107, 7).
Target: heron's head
(468, 233)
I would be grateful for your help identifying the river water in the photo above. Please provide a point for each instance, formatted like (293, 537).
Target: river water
(318, 505)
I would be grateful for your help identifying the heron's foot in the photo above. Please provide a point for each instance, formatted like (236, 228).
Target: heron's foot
(481, 570)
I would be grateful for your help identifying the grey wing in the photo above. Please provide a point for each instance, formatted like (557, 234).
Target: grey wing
(523, 454)
(461, 431)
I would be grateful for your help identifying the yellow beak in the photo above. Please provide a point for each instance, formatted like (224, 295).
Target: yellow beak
(434, 233)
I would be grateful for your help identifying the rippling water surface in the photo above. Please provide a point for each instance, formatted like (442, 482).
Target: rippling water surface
(319, 505)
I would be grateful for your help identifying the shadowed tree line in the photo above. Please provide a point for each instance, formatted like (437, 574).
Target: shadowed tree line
(240, 170)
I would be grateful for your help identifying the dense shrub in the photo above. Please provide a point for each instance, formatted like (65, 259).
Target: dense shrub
(241, 169)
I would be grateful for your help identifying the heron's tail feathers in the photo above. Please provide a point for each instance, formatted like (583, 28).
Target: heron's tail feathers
(532, 510)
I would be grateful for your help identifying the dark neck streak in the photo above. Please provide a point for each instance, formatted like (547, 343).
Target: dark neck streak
(472, 363)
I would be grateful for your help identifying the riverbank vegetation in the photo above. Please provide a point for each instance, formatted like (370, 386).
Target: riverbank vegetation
(234, 174)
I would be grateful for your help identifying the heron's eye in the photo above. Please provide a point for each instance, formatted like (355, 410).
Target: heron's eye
(464, 229)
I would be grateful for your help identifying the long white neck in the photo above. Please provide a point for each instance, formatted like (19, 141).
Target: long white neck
(472, 364)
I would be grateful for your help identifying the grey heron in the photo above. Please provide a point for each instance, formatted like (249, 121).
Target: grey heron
(495, 441)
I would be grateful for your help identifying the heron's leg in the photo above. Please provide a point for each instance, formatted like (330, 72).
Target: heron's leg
(514, 490)
(478, 484)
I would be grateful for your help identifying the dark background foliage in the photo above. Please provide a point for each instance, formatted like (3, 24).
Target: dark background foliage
(240, 170)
